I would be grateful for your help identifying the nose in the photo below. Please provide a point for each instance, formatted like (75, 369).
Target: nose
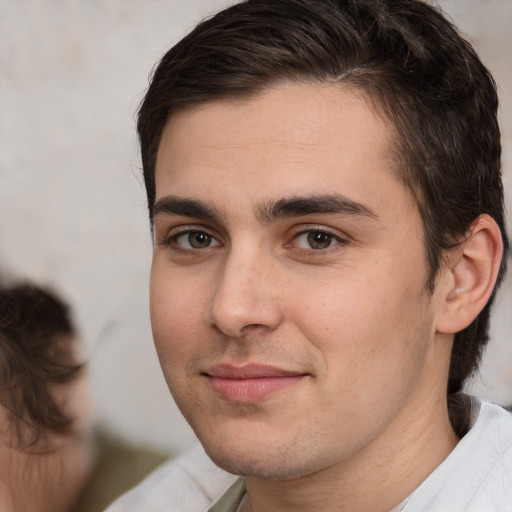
(246, 296)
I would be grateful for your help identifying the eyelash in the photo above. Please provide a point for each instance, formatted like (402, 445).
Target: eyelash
(172, 239)
(334, 240)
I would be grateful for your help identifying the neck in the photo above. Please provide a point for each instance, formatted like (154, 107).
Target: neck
(377, 478)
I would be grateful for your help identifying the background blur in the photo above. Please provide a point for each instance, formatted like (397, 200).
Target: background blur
(72, 204)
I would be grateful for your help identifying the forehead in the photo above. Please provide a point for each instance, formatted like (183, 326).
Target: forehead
(285, 141)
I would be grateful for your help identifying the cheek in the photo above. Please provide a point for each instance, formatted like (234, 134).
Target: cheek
(372, 353)
(340, 311)
(360, 325)
(177, 309)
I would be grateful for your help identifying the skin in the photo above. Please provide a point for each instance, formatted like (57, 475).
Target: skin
(332, 291)
(57, 468)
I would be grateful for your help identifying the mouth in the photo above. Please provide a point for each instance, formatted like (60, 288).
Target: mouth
(250, 383)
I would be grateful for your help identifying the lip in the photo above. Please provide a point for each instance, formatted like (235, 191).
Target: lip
(251, 382)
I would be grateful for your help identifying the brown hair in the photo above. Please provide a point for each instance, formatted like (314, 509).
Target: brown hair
(408, 60)
(35, 352)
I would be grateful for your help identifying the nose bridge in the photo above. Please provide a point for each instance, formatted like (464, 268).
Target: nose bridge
(245, 293)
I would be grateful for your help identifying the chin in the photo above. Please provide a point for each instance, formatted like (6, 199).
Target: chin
(266, 463)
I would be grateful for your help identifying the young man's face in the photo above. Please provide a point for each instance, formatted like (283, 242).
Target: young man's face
(288, 295)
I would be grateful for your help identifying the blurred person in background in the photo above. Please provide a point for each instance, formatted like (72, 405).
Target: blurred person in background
(46, 422)
(53, 458)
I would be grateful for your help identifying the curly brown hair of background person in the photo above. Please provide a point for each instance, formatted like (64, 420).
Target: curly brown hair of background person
(36, 354)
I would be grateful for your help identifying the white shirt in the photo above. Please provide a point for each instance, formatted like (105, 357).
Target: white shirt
(189, 483)
(475, 477)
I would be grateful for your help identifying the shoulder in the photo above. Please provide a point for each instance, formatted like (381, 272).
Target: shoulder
(495, 491)
(189, 483)
(477, 475)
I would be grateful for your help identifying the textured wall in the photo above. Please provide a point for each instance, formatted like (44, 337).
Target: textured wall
(72, 208)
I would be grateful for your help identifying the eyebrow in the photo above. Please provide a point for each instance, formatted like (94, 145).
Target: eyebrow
(295, 206)
(323, 204)
(184, 207)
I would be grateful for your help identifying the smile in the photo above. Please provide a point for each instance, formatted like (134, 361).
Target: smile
(250, 383)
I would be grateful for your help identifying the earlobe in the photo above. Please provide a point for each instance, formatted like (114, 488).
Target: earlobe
(472, 269)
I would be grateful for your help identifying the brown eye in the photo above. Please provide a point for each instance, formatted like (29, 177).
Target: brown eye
(194, 240)
(199, 240)
(319, 240)
(316, 239)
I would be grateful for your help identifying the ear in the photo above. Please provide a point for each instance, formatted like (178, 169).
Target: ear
(469, 275)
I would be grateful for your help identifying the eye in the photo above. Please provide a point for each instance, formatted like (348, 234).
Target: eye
(316, 240)
(195, 240)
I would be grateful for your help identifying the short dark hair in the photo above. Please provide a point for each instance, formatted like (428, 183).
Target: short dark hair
(408, 60)
(36, 352)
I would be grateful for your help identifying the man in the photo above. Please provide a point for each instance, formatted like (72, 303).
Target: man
(324, 188)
